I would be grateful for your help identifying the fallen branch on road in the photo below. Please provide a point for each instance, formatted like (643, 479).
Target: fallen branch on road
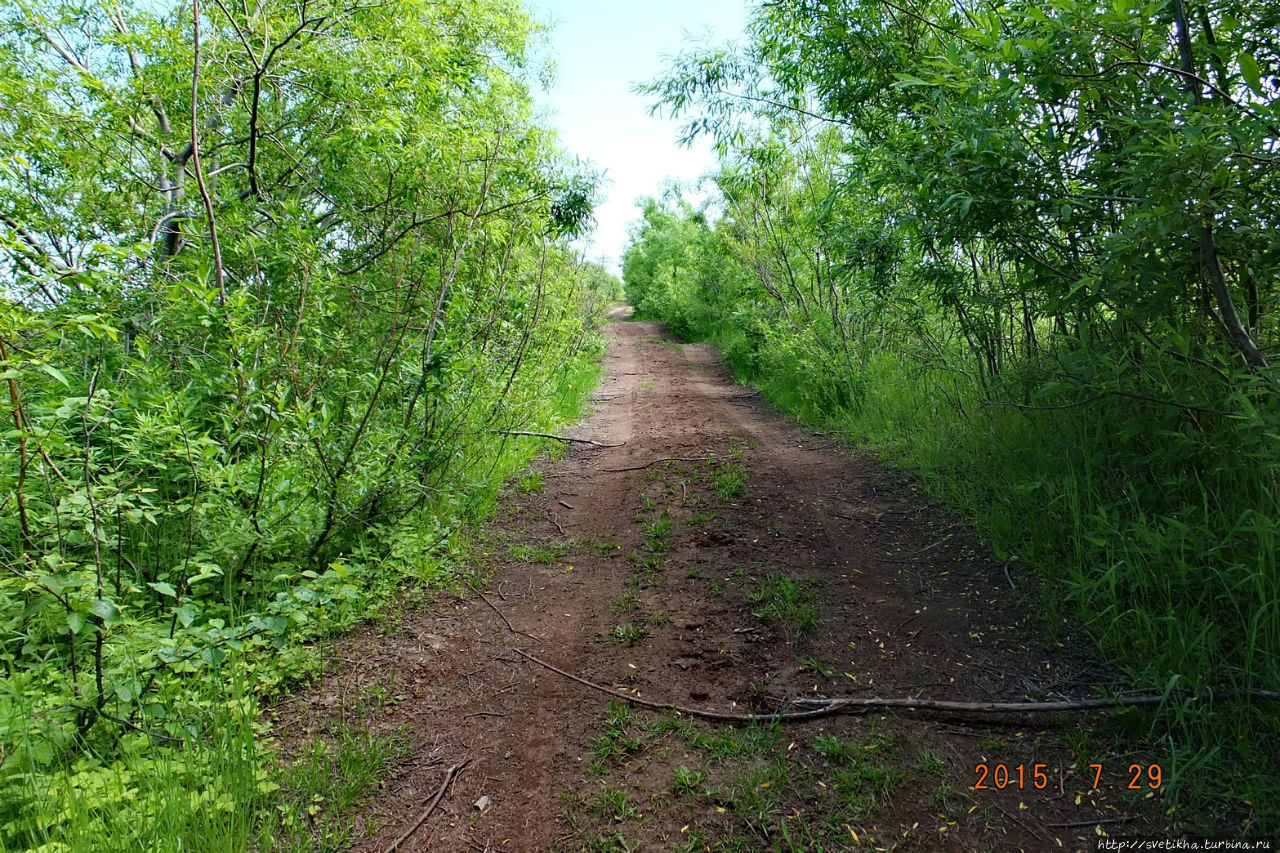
(431, 807)
(554, 437)
(855, 705)
(665, 706)
(660, 461)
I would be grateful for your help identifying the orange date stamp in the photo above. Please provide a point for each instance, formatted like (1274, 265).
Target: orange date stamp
(1041, 777)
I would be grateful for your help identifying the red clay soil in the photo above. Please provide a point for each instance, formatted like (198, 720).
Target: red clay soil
(660, 581)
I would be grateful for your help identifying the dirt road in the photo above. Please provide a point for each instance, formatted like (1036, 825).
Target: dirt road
(764, 563)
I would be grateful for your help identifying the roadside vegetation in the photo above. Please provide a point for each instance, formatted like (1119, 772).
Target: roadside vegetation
(1030, 252)
(271, 291)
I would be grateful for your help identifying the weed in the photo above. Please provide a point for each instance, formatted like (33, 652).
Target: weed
(612, 804)
(613, 843)
(658, 532)
(660, 617)
(730, 742)
(628, 633)
(672, 722)
(687, 781)
(862, 781)
(781, 597)
(948, 797)
(816, 666)
(651, 565)
(617, 741)
(542, 552)
(728, 481)
(628, 601)
(929, 763)
(531, 483)
(322, 789)
(754, 796)
(702, 518)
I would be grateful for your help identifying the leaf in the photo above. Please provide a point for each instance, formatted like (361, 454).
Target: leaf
(105, 610)
(1249, 69)
(57, 374)
(164, 589)
(75, 621)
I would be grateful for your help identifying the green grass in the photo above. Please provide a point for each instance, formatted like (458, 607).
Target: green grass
(531, 483)
(618, 740)
(780, 597)
(728, 480)
(629, 633)
(658, 532)
(612, 804)
(862, 780)
(541, 552)
(722, 742)
(628, 601)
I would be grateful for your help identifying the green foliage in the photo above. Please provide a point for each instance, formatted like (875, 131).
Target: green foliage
(218, 452)
(1030, 252)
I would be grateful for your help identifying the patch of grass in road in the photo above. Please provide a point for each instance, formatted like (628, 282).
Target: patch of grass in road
(541, 552)
(688, 781)
(618, 740)
(728, 480)
(861, 778)
(736, 741)
(627, 602)
(614, 842)
(657, 532)
(784, 598)
(612, 804)
(739, 787)
(816, 666)
(629, 633)
(557, 549)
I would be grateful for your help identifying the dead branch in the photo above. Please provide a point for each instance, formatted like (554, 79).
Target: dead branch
(431, 807)
(660, 461)
(855, 705)
(666, 706)
(555, 437)
(504, 619)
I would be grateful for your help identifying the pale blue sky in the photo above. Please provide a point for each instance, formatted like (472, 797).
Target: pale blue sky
(600, 48)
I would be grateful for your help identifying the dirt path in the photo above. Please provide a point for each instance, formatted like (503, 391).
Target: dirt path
(787, 567)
